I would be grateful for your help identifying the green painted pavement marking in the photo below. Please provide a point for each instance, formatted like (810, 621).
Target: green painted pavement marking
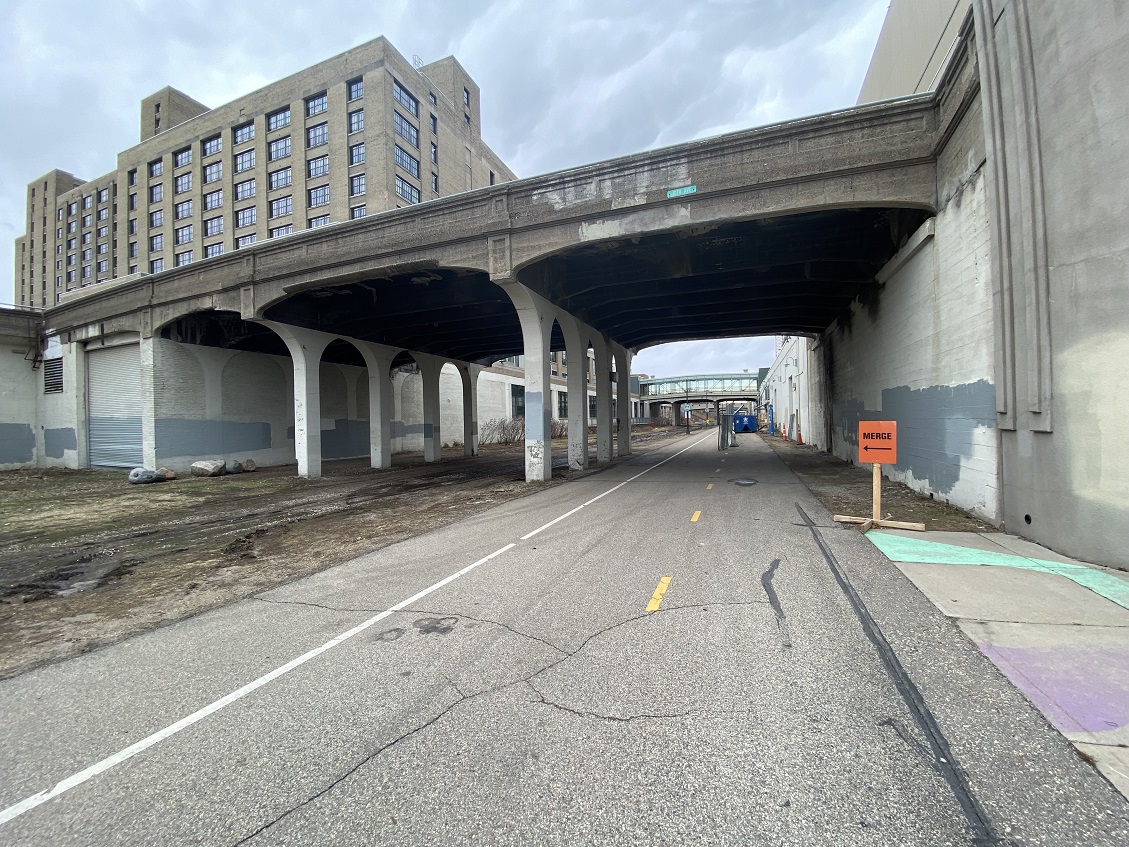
(899, 548)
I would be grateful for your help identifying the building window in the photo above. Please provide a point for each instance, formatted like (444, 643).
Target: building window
(183, 183)
(431, 97)
(245, 217)
(133, 249)
(318, 196)
(103, 249)
(244, 133)
(517, 401)
(562, 405)
(246, 240)
(156, 192)
(435, 182)
(435, 124)
(212, 146)
(405, 130)
(320, 220)
(491, 177)
(357, 212)
(72, 226)
(156, 218)
(406, 161)
(87, 220)
(406, 190)
(357, 154)
(131, 179)
(155, 169)
(213, 172)
(213, 226)
(156, 266)
(132, 203)
(245, 190)
(183, 210)
(104, 195)
(317, 104)
(87, 254)
(466, 119)
(132, 226)
(357, 120)
(356, 185)
(71, 276)
(317, 167)
(156, 243)
(355, 88)
(181, 158)
(245, 161)
(401, 96)
(317, 135)
(280, 178)
(466, 97)
(280, 207)
(434, 153)
(279, 149)
(213, 250)
(72, 209)
(103, 214)
(213, 199)
(103, 231)
(87, 238)
(285, 229)
(183, 234)
(279, 119)
(183, 258)
(53, 376)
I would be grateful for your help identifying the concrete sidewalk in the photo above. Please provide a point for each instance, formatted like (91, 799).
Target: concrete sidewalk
(1056, 627)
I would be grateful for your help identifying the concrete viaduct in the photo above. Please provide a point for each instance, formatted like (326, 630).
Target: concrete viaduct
(776, 229)
(953, 261)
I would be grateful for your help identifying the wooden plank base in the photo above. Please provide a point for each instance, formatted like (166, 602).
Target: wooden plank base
(870, 523)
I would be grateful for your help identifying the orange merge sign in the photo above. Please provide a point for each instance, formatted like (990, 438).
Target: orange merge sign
(878, 442)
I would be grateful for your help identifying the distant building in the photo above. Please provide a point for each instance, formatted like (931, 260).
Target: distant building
(359, 133)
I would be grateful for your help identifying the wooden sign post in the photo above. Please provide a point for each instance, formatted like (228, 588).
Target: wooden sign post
(878, 445)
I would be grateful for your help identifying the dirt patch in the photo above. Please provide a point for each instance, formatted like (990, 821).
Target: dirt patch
(845, 489)
(89, 559)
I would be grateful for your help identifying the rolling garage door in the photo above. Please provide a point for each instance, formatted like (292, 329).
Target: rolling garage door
(113, 406)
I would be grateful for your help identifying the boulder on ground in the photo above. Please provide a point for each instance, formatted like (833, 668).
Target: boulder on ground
(249, 465)
(209, 467)
(140, 476)
(235, 467)
(166, 473)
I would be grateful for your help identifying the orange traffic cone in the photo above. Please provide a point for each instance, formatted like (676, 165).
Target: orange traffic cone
(799, 435)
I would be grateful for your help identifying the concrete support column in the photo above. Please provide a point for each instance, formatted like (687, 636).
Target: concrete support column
(306, 347)
(536, 316)
(430, 368)
(378, 363)
(469, 375)
(576, 348)
(148, 404)
(623, 399)
(603, 401)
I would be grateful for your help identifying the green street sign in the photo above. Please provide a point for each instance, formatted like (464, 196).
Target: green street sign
(681, 192)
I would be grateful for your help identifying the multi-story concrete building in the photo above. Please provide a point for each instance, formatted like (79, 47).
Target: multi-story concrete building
(357, 134)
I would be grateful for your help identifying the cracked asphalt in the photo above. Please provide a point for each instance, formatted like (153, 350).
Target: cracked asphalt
(791, 688)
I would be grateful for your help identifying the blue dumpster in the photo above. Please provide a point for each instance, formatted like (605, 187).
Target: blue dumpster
(744, 423)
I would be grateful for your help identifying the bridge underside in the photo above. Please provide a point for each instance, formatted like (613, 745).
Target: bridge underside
(792, 274)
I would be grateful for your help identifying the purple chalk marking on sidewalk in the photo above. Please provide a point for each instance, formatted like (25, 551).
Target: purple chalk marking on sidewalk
(1079, 689)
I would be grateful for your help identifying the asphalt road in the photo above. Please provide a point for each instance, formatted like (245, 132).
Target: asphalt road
(501, 681)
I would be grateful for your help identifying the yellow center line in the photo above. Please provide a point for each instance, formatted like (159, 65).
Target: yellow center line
(657, 597)
(708, 487)
(717, 470)
(697, 515)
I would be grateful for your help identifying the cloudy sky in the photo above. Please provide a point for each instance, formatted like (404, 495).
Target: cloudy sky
(563, 83)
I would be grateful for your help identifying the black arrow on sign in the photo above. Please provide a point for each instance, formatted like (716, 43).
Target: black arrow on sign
(868, 448)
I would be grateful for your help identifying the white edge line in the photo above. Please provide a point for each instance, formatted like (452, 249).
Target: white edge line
(144, 744)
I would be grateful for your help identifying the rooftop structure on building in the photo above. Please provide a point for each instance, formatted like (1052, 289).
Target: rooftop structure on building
(362, 132)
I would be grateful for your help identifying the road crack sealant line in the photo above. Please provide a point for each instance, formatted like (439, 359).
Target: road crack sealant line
(984, 834)
(78, 778)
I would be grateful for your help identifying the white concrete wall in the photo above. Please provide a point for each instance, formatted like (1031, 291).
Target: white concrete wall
(922, 354)
(20, 387)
